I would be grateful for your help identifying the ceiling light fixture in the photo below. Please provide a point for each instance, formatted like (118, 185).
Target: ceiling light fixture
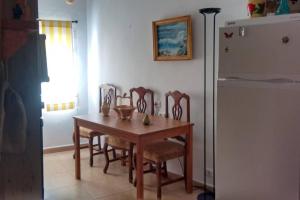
(70, 2)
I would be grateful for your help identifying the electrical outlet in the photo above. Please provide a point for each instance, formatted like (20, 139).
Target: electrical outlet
(209, 172)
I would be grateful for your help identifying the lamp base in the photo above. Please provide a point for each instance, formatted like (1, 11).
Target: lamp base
(206, 196)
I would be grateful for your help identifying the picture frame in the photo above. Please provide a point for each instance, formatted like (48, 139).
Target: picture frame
(172, 39)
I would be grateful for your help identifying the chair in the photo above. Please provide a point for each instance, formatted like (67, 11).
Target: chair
(158, 153)
(120, 144)
(107, 93)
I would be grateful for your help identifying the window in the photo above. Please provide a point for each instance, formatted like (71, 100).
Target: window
(61, 91)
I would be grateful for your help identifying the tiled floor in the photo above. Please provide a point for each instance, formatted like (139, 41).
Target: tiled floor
(60, 183)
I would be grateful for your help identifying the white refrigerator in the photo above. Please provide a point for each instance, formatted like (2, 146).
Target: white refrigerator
(258, 110)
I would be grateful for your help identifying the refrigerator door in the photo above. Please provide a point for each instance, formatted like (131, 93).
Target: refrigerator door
(260, 51)
(257, 143)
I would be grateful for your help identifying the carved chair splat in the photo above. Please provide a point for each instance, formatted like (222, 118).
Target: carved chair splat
(141, 102)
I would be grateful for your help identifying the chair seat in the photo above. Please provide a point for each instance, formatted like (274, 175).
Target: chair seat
(117, 143)
(87, 133)
(163, 151)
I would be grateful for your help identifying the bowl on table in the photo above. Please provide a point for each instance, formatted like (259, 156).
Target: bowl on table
(124, 112)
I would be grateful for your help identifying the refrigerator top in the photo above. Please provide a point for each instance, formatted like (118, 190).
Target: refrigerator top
(264, 20)
(278, 84)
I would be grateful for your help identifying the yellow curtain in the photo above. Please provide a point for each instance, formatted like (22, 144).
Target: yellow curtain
(60, 93)
(60, 106)
(60, 29)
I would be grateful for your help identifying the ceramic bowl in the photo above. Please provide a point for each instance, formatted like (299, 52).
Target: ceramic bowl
(124, 112)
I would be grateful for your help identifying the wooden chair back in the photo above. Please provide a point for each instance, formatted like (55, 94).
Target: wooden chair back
(141, 103)
(108, 94)
(177, 107)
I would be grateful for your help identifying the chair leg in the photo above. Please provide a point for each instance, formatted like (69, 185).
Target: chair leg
(130, 155)
(151, 168)
(184, 167)
(134, 164)
(114, 154)
(158, 175)
(123, 159)
(165, 169)
(91, 151)
(99, 143)
(106, 158)
(73, 138)
(134, 160)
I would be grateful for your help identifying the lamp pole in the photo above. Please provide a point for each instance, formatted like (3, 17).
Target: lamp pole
(209, 11)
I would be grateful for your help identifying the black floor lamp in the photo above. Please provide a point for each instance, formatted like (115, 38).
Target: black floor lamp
(209, 195)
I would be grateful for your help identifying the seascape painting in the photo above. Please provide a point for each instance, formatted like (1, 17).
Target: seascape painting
(172, 39)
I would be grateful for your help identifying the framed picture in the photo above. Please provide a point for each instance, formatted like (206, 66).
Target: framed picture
(172, 39)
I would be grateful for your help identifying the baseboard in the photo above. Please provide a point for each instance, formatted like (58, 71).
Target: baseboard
(201, 186)
(62, 148)
(196, 184)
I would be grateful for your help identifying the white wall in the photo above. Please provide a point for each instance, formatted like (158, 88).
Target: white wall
(120, 52)
(58, 126)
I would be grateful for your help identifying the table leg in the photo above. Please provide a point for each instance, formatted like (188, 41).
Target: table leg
(189, 160)
(77, 150)
(140, 171)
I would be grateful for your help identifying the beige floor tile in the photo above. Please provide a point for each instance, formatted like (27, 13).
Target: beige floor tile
(128, 195)
(60, 183)
(59, 180)
(100, 190)
(149, 195)
(75, 192)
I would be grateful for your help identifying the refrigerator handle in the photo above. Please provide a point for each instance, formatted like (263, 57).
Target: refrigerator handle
(275, 80)
(242, 31)
(280, 80)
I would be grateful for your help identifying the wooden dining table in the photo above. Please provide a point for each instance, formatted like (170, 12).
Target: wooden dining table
(135, 132)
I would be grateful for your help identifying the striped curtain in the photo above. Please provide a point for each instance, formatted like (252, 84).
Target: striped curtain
(61, 91)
